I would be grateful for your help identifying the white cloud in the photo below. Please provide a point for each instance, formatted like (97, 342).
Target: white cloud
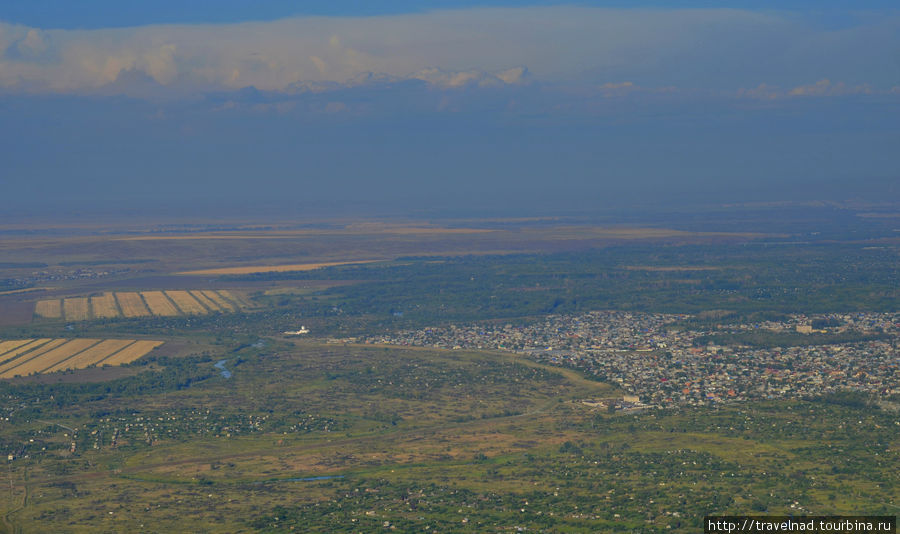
(694, 48)
(826, 88)
(456, 79)
(821, 88)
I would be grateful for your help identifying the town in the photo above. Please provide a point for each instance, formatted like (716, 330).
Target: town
(661, 360)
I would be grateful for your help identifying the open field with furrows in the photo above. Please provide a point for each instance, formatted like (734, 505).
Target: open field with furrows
(315, 438)
(132, 352)
(26, 364)
(91, 356)
(222, 303)
(132, 304)
(27, 357)
(51, 309)
(104, 306)
(238, 298)
(205, 300)
(187, 303)
(118, 304)
(6, 346)
(16, 348)
(159, 304)
(76, 309)
(22, 356)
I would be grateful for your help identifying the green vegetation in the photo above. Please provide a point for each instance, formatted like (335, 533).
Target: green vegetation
(452, 440)
(334, 437)
(744, 279)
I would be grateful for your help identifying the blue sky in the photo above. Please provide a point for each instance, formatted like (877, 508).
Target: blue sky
(537, 106)
(116, 13)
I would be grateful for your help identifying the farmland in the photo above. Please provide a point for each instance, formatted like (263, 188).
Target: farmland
(458, 439)
(159, 304)
(26, 357)
(273, 268)
(129, 304)
(51, 309)
(132, 304)
(104, 306)
(187, 303)
(76, 309)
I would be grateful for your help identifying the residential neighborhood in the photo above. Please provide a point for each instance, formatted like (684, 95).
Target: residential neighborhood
(663, 361)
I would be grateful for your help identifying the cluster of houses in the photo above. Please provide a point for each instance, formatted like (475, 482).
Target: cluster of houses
(60, 274)
(663, 360)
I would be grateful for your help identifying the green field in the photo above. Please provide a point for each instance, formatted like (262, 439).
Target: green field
(451, 440)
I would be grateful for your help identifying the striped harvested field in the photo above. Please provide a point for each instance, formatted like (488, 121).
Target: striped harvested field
(129, 304)
(98, 352)
(235, 297)
(6, 346)
(28, 355)
(159, 304)
(222, 303)
(21, 349)
(132, 305)
(76, 309)
(104, 306)
(131, 353)
(206, 301)
(51, 309)
(49, 358)
(51, 355)
(187, 303)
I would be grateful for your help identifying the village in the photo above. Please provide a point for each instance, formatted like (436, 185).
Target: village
(661, 361)
(137, 428)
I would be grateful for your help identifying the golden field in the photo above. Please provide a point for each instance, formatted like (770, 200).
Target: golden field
(25, 357)
(50, 309)
(223, 304)
(159, 304)
(274, 268)
(206, 301)
(76, 309)
(132, 305)
(104, 306)
(132, 352)
(187, 303)
(118, 304)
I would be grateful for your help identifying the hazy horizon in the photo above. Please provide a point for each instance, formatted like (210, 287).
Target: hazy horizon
(471, 108)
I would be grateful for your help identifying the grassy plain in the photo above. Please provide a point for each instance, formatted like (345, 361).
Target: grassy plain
(451, 441)
(454, 441)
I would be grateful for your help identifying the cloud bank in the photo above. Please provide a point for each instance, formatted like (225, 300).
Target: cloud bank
(708, 49)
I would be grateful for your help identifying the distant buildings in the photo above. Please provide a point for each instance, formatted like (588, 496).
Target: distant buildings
(660, 361)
